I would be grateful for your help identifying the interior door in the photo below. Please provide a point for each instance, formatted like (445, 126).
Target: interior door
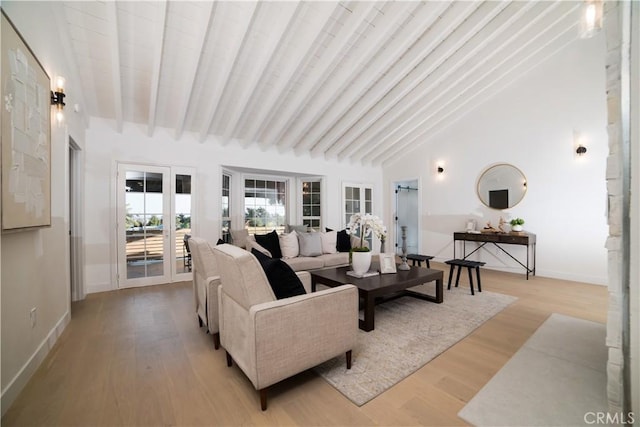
(407, 215)
(144, 225)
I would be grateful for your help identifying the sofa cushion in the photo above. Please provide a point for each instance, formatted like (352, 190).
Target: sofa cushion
(334, 260)
(283, 280)
(270, 242)
(329, 242)
(310, 244)
(305, 263)
(289, 245)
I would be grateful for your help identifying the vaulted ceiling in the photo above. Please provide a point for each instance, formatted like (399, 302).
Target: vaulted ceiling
(350, 80)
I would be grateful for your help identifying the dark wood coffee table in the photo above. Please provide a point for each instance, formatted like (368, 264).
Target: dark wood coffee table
(380, 288)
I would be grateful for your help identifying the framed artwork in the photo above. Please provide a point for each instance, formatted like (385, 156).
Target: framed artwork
(387, 263)
(26, 134)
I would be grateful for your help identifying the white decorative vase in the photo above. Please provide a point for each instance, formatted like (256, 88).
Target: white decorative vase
(361, 261)
(517, 227)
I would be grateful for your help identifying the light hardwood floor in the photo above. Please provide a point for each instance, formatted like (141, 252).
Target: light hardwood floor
(137, 357)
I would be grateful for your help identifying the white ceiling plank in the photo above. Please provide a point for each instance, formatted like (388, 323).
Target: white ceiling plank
(464, 68)
(114, 49)
(281, 25)
(305, 33)
(354, 68)
(326, 63)
(223, 79)
(328, 129)
(190, 77)
(445, 61)
(545, 43)
(157, 64)
(377, 97)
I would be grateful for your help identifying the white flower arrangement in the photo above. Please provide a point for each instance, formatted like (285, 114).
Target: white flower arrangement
(362, 225)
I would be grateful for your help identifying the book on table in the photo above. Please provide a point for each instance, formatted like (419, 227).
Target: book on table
(360, 276)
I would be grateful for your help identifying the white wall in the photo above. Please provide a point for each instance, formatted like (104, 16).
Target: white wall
(529, 124)
(35, 264)
(107, 148)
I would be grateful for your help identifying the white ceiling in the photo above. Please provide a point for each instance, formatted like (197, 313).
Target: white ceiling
(352, 80)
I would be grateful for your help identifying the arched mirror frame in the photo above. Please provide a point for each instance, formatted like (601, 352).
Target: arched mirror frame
(503, 198)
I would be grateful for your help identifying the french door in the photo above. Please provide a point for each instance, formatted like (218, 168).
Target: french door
(154, 221)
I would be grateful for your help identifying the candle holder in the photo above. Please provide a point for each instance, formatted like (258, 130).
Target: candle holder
(404, 265)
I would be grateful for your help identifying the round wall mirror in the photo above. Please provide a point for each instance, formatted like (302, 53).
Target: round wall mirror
(501, 186)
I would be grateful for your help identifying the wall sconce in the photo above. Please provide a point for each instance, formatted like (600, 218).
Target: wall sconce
(57, 99)
(440, 169)
(590, 18)
(579, 144)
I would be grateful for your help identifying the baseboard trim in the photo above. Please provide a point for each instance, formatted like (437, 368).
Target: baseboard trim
(15, 386)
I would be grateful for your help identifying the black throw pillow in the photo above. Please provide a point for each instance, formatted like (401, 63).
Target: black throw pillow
(343, 243)
(220, 242)
(270, 242)
(283, 280)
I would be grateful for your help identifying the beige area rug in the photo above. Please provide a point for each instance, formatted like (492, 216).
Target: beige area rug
(409, 332)
(557, 378)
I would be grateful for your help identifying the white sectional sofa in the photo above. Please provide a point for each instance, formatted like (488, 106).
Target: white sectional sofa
(302, 251)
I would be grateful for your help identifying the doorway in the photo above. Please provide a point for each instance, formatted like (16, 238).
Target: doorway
(407, 214)
(154, 221)
(76, 254)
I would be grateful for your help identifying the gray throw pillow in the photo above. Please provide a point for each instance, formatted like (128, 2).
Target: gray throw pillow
(310, 244)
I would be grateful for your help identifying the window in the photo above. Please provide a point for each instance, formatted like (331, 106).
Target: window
(357, 198)
(226, 215)
(265, 207)
(311, 204)
(183, 220)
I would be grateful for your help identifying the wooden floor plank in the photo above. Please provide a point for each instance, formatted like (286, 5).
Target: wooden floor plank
(137, 357)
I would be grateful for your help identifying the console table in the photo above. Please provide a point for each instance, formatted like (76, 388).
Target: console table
(499, 239)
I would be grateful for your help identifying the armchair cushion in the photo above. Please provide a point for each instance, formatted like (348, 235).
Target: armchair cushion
(283, 280)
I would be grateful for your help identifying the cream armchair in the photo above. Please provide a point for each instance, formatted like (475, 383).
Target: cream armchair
(272, 339)
(206, 282)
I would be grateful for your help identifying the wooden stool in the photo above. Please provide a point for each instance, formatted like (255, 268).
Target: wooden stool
(419, 259)
(470, 265)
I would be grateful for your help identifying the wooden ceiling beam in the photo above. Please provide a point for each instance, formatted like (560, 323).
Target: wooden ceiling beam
(194, 65)
(114, 50)
(323, 68)
(306, 31)
(160, 34)
(533, 46)
(353, 69)
(376, 96)
(280, 26)
(222, 80)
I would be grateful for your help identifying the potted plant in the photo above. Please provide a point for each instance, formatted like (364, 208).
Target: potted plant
(362, 225)
(516, 224)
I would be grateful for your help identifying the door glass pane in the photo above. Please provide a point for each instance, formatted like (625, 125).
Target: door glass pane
(183, 223)
(143, 222)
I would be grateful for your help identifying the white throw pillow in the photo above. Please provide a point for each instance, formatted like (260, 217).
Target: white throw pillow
(239, 237)
(329, 241)
(289, 245)
(310, 244)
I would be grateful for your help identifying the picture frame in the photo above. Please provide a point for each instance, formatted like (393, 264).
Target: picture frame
(387, 263)
(26, 134)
